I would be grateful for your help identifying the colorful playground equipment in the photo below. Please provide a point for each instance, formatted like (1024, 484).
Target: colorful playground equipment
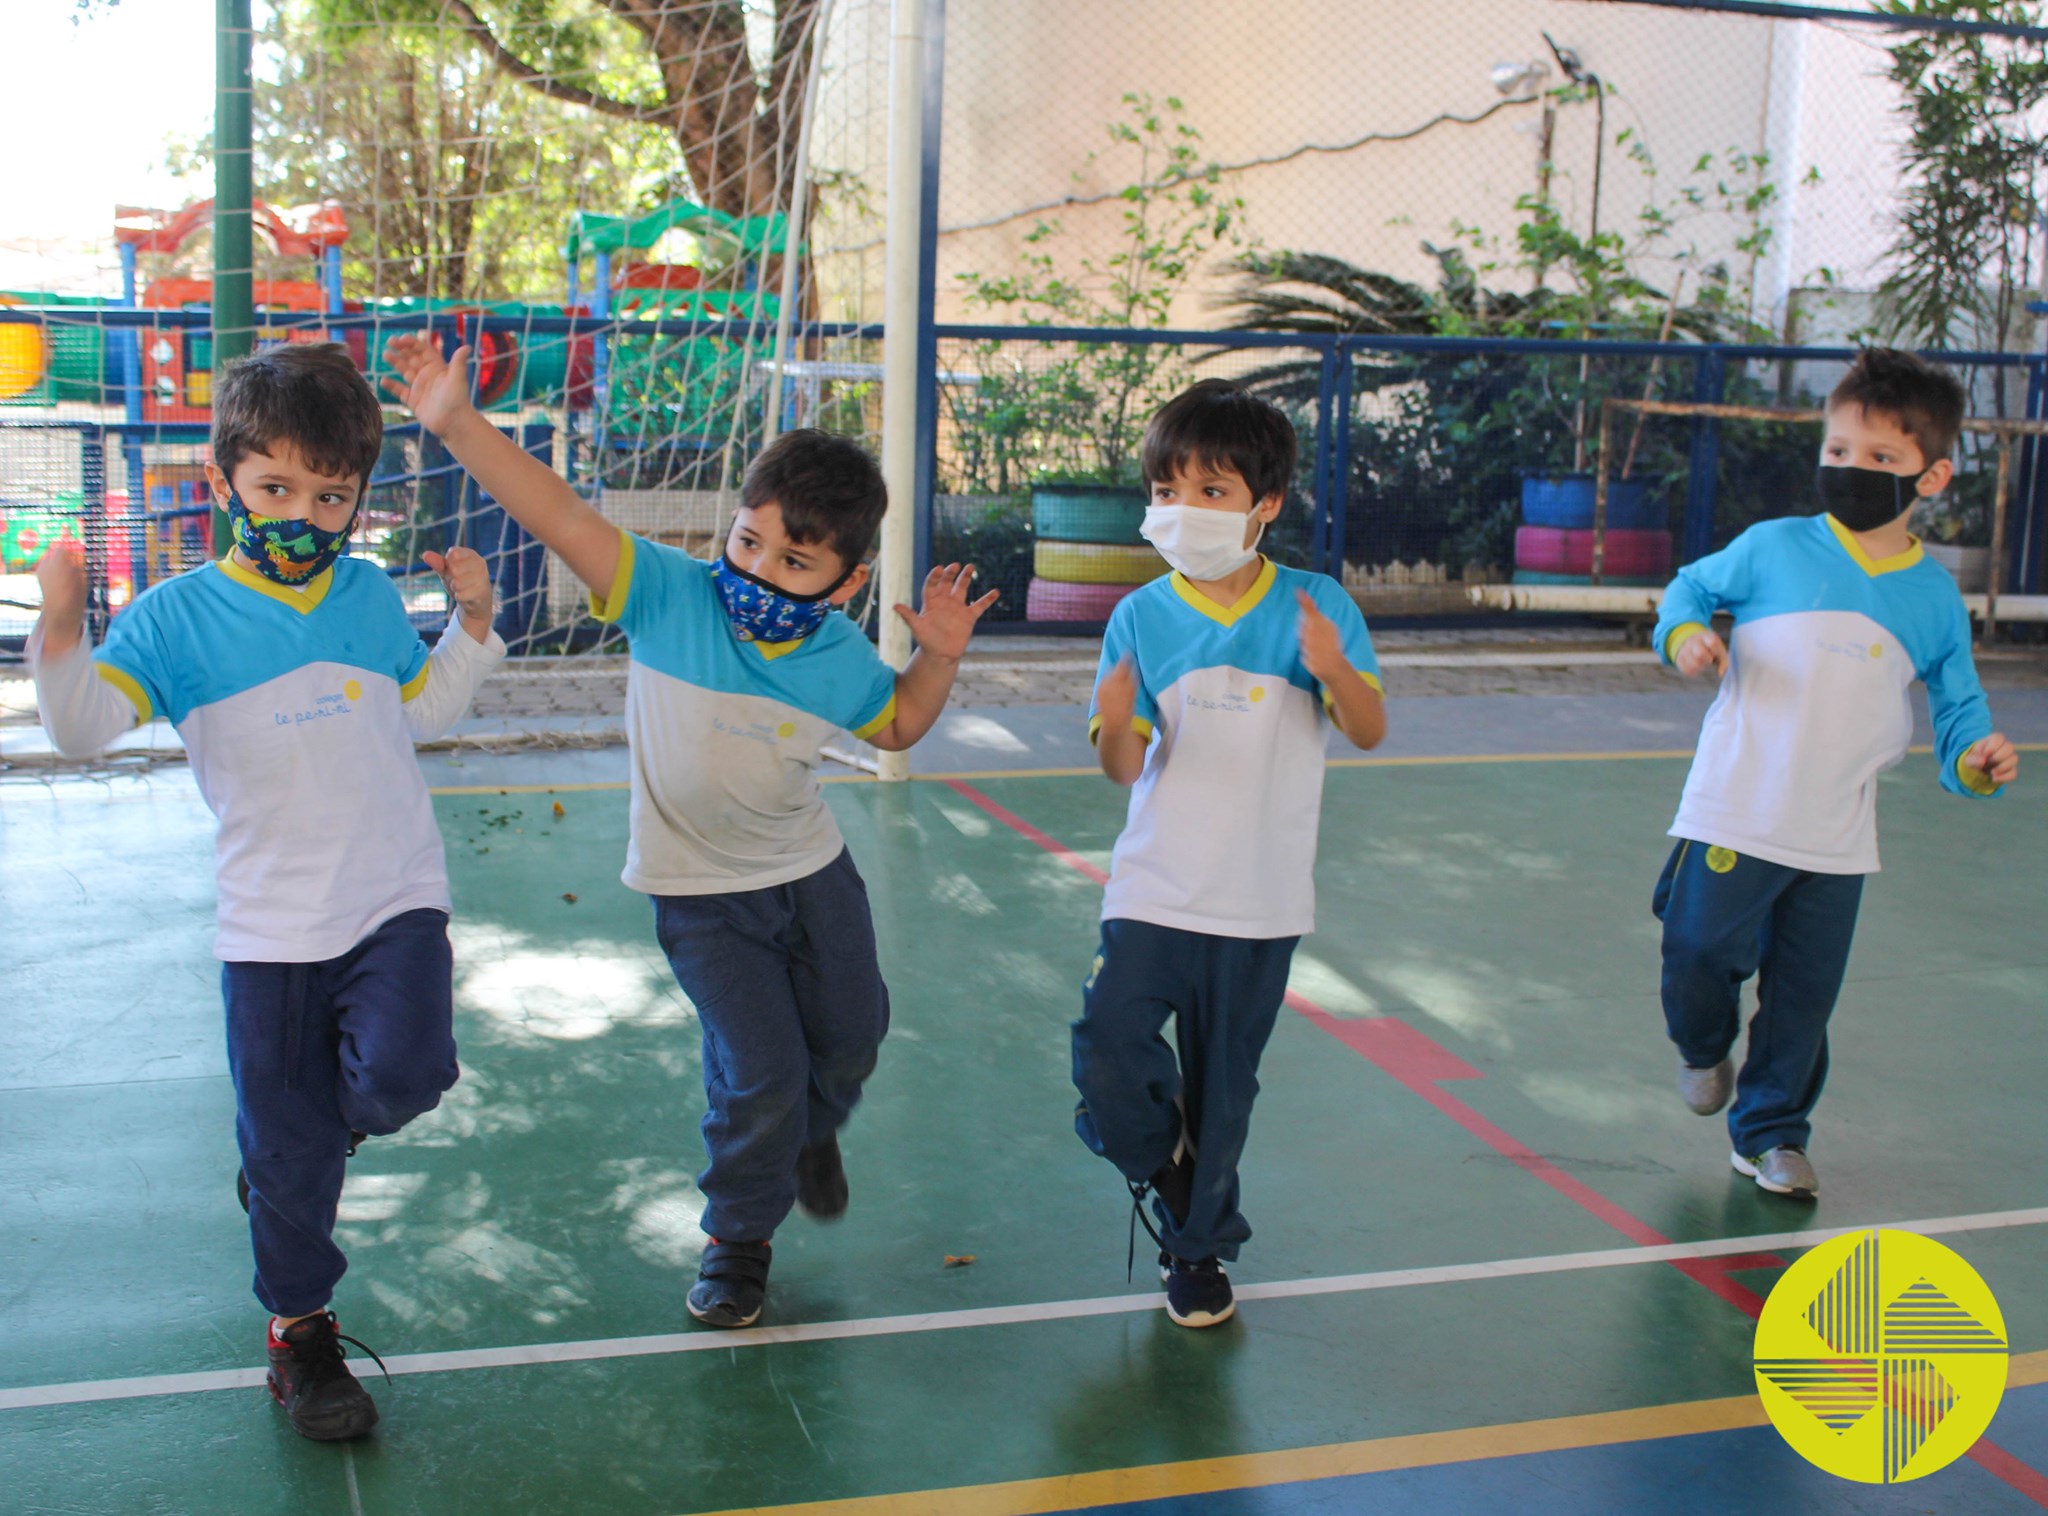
(1088, 554)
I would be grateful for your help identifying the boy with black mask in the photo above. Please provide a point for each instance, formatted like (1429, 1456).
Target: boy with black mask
(1836, 615)
(739, 673)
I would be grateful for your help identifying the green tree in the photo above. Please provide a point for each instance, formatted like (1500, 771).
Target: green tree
(458, 183)
(1964, 253)
(731, 99)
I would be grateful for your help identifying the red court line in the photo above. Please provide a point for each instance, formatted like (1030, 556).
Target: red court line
(1420, 1064)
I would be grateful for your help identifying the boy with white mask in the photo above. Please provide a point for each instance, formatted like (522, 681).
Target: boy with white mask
(1211, 700)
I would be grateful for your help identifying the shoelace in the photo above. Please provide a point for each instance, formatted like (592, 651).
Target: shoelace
(322, 1352)
(1140, 1192)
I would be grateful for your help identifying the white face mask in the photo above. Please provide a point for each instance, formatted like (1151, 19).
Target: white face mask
(1202, 544)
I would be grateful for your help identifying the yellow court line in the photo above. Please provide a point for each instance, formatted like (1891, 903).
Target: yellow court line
(986, 776)
(1205, 1476)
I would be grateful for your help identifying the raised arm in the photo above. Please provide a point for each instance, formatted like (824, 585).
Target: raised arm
(436, 390)
(81, 709)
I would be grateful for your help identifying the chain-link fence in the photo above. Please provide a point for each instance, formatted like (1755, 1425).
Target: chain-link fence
(1441, 237)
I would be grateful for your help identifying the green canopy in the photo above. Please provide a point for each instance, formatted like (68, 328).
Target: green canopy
(753, 236)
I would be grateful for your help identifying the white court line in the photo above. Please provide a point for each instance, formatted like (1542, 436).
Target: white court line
(89, 1391)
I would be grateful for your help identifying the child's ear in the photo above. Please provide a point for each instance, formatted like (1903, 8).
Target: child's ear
(219, 483)
(1936, 479)
(852, 587)
(1269, 507)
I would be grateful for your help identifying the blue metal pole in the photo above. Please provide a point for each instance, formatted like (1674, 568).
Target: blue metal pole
(1326, 405)
(1710, 381)
(128, 350)
(600, 366)
(1340, 466)
(931, 130)
(330, 278)
(2030, 528)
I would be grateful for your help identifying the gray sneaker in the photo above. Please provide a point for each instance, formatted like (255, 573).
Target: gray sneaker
(1707, 1090)
(1782, 1171)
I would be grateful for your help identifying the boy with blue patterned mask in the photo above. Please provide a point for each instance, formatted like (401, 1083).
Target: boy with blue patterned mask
(299, 686)
(739, 674)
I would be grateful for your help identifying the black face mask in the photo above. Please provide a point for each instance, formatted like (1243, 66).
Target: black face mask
(1864, 499)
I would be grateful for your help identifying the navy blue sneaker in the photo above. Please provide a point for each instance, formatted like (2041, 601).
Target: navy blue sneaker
(732, 1284)
(1197, 1294)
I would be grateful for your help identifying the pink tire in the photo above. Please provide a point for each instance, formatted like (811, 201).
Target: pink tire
(1048, 600)
(1563, 550)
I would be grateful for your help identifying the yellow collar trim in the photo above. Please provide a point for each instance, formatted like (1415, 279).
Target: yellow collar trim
(1870, 565)
(773, 650)
(1227, 615)
(303, 601)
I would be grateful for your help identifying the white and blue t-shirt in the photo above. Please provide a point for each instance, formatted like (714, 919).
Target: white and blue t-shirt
(1221, 833)
(1814, 705)
(291, 707)
(725, 733)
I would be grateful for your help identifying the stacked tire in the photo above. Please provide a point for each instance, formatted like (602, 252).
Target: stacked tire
(1554, 545)
(1088, 553)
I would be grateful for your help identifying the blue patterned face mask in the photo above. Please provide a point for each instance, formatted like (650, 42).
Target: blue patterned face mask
(284, 549)
(760, 612)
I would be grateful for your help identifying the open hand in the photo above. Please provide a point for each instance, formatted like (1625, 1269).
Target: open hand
(1322, 649)
(1699, 652)
(433, 388)
(468, 580)
(947, 620)
(1996, 758)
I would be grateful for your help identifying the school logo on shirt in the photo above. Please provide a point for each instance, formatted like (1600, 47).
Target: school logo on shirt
(1881, 1356)
(341, 703)
(767, 733)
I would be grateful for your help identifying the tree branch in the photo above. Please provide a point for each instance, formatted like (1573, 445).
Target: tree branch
(547, 84)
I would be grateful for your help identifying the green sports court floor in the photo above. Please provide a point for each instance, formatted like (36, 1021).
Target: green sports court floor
(1498, 1267)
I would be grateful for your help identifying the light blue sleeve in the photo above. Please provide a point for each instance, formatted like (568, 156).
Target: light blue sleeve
(1955, 701)
(136, 657)
(403, 652)
(1335, 602)
(1120, 641)
(1720, 581)
(652, 582)
(869, 674)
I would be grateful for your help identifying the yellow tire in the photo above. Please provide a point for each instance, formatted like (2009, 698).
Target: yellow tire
(1095, 563)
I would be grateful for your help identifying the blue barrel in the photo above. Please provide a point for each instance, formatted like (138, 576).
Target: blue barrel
(1566, 501)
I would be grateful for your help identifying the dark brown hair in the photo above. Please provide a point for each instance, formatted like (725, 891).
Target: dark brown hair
(1926, 401)
(309, 394)
(1215, 425)
(829, 490)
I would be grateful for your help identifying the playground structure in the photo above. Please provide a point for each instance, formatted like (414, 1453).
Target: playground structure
(654, 425)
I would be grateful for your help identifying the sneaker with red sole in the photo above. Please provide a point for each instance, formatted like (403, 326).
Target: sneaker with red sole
(310, 1380)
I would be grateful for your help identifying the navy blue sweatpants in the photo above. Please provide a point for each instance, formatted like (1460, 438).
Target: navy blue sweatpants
(1223, 995)
(1727, 916)
(362, 1042)
(791, 1001)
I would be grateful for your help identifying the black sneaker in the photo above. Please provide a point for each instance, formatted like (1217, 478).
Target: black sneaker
(320, 1396)
(355, 1140)
(821, 1181)
(732, 1284)
(1197, 1294)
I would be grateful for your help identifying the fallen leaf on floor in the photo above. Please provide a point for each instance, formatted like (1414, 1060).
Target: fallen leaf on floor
(559, 812)
(959, 1260)
(568, 896)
